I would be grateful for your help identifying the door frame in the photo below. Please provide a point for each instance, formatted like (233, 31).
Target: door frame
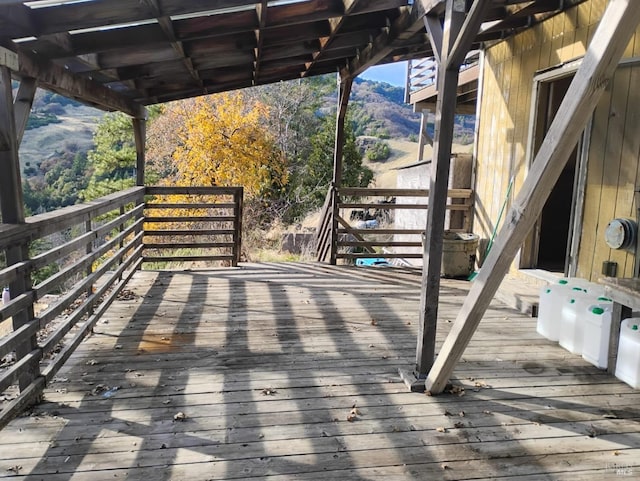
(528, 255)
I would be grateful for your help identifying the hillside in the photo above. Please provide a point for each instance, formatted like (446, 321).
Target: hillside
(378, 109)
(60, 132)
(73, 132)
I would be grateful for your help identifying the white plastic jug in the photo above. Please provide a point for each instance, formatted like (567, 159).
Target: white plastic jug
(572, 320)
(597, 330)
(628, 363)
(549, 307)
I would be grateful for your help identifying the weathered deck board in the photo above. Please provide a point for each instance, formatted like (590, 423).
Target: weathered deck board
(268, 361)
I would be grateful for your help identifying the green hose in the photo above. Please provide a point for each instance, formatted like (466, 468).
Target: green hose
(495, 228)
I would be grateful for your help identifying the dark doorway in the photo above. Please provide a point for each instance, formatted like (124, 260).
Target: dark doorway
(551, 250)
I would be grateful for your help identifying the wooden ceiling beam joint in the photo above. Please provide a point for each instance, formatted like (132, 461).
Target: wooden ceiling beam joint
(166, 24)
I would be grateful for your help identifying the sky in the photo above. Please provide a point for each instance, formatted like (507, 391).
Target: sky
(393, 73)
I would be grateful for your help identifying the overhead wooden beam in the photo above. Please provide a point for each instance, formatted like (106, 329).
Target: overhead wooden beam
(468, 33)
(405, 26)
(335, 25)
(166, 24)
(58, 79)
(620, 20)
(434, 29)
(22, 105)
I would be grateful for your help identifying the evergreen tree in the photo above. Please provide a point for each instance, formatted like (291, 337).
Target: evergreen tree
(113, 160)
(319, 168)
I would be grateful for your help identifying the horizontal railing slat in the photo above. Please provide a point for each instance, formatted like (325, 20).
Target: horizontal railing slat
(194, 232)
(185, 206)
(187, 258)
(226, 218)
(192, 190)
(16, 305)
(366, 192)
(189, 245)
(386, 255)
(12, 374)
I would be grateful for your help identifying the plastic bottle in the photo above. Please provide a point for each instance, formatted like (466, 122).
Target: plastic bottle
(551, 298)
(6, 296)
(628, 363)
(597, 330)
(573, 314)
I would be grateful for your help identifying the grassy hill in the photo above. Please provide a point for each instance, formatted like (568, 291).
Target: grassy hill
(73, 132)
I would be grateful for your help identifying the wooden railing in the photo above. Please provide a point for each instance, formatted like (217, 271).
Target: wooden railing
(84, 255)
(423, 72)
(383, 235)
(193, 224)
(102, 241)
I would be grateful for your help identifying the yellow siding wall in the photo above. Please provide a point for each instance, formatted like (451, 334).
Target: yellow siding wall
(504, 129)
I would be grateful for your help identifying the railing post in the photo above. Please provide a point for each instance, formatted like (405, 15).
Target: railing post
(335, 212)
(12, 208)
(237, 236)
(88, 227)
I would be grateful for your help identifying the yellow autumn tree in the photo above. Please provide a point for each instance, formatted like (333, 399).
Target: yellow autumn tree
(224, 142)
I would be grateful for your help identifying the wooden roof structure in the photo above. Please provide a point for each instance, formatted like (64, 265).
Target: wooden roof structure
(124, 54)
(120, 54)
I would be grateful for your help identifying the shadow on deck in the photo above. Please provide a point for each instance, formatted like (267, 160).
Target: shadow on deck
(289, 371)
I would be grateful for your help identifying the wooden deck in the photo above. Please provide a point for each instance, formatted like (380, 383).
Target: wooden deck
(289, 371)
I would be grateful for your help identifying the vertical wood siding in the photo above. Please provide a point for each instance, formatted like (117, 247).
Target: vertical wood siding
(504, 129)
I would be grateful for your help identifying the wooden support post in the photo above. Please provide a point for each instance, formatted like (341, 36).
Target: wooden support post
(343, 99)
(12, 208)
(614, 31)
(10, 181)
(456, 38)
(424, 137)
(237, 237)
(140, 133)
(22, 105)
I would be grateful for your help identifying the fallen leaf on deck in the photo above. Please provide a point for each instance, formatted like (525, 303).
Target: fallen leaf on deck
(179, 416)
(374, 322)
(441, 429)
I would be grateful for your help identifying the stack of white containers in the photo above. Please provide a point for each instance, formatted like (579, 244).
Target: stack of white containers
(575, 313)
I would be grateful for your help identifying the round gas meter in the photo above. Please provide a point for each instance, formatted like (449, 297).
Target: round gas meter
(621, 233)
